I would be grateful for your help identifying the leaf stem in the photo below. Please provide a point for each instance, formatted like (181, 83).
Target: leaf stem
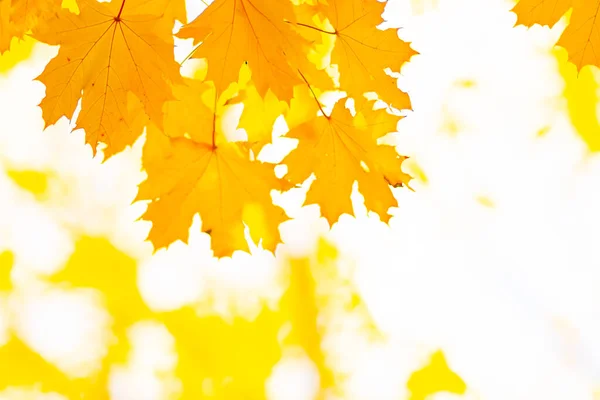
(118, 17)
(190, 54)
(315, 28)
(313, 93)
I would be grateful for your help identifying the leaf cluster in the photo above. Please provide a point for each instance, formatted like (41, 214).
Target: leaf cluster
(115, 77)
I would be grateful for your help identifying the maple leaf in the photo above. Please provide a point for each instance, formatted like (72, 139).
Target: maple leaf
(256, 32)
(17, 17)
(582, 35)
(340, 149)
(362, 52)
(107, 52)
(206, 175)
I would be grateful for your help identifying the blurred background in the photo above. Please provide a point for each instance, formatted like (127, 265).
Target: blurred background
(485, 284)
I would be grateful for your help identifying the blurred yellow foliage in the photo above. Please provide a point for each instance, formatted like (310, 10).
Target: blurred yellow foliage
(20, 50)
(581, 94)
(435, 377)
(217, 357)
(6, 263)
(35, 182)
(22, 367)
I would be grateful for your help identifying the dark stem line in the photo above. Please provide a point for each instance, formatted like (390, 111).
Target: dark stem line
(118, 17)
(315, 28)
(313, 93)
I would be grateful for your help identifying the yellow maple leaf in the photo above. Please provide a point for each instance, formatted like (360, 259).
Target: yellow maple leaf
(259, 33)
(340, 149)
(199, 172)
(362, 52)
(106, 52)
(581, 37)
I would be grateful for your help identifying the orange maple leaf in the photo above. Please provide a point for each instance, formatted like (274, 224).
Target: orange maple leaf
(257, 32)
(107, 52)
(581, 37)
(362, 52)
(340, 149)
(197, 171)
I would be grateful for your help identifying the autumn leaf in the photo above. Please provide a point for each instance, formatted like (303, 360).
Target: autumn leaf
(582, 34)
(108, 51)
(256, 32)
(339, 150)
(206, 175)
(362, 52)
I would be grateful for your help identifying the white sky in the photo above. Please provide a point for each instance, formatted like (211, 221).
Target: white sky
(494, 260)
